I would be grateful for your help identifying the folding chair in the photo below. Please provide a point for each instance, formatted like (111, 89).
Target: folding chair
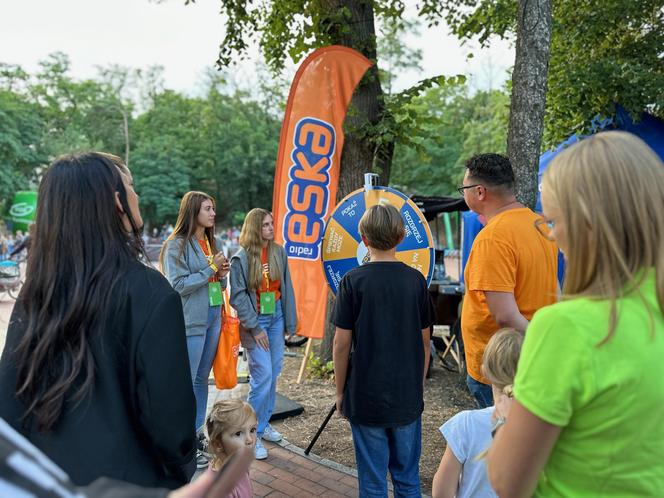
(451, 345)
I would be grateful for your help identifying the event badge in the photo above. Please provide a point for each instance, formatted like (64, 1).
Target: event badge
(214, 288)
(267, 303)
(214, 293)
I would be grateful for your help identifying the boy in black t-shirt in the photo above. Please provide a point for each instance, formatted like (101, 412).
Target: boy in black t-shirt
(382, 314)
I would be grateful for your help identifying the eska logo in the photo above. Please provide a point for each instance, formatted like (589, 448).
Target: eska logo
(308, 191)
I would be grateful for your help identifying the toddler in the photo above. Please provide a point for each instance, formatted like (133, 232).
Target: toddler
(461, 473)
(231, 425)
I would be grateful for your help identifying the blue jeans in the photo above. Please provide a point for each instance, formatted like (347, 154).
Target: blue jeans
(397, 449)
(265, 367)
(482, 392)
(202, 349)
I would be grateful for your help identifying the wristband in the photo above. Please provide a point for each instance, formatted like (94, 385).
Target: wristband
(214, 267)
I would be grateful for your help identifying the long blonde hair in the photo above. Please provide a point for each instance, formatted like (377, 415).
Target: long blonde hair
(187, 222)
(251, 240)
(610, 191)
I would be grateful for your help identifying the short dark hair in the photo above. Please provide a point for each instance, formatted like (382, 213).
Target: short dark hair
(493, 169)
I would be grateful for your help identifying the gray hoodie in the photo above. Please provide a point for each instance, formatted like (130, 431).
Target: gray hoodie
(244, 301)
(189, 274)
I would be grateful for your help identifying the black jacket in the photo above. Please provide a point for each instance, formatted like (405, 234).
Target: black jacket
(138, 422)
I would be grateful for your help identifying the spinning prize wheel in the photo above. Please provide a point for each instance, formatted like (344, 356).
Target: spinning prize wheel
(344, 250)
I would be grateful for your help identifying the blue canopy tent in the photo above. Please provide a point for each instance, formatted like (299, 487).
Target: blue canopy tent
(649, 128)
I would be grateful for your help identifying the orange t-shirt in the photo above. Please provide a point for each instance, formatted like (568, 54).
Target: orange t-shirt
(267, 284)
(204, 246)
(508, 255)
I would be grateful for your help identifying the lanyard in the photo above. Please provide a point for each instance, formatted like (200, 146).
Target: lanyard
(209, 254)
(266, 272)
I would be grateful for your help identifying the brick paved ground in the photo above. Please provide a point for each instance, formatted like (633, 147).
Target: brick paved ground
(286, 473)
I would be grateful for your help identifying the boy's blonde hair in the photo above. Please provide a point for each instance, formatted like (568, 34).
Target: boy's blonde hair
(501, 357)
(382, 226)
(225, 415)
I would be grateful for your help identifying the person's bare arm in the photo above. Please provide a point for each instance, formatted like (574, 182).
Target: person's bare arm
(519, 452)
(426, 341)
(505, 311)
(446, 480)
(340, 353)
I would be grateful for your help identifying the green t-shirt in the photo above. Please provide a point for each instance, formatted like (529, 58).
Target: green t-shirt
(609, 399)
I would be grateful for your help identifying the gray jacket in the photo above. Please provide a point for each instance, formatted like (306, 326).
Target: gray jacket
(189, 274)
(244, 301)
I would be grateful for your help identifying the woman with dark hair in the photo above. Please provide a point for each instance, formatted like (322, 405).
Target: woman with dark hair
(262, 293)
(94, 370)
(197, 271)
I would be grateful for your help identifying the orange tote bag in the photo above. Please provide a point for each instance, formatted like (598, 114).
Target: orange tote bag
(224, 367)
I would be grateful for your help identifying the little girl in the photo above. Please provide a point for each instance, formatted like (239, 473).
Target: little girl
(231, 425)
(468, 433)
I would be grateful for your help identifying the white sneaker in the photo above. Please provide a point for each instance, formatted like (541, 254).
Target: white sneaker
(260, 451)
(271, 434)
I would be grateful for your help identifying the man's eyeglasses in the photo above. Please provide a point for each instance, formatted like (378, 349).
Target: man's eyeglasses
(462, 188)
(545, 227)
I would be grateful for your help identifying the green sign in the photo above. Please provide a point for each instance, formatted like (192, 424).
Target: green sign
(23, 209)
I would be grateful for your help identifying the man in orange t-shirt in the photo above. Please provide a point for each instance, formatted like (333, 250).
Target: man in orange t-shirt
(512, 268)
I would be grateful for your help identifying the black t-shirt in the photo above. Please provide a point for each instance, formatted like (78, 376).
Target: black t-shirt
(386, 306)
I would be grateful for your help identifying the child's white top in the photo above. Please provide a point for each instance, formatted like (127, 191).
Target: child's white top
(468, 434)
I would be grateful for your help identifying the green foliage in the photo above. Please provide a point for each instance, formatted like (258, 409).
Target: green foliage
(454, 126)
(601, 57)
(21, 151)
(319, 368)
(602, 54)
(224, 143)
(287, 28)
(394, 53)
(162, 176)
(401, 122)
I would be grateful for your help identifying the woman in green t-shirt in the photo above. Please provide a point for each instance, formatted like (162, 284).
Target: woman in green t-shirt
(586, 419)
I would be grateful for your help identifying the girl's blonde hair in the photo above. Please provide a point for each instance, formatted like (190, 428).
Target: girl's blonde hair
(251, 240)
(609, 190)
(501, 357)
(225, 415)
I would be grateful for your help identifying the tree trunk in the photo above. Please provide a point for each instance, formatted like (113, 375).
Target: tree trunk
(529, 80)
(359, 154)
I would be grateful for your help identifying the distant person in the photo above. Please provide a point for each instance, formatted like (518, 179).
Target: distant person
(382, 315)
(197, 269)
(94, 370)
(24, 243)
(586, 419)
(231, 425)
(262, 294)
(462, 474)
(511, 271)
(4, 247)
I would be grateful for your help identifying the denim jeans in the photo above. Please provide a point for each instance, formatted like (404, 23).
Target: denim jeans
(265, 367)
(482, 392)
(397, 449)
(202, 349)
